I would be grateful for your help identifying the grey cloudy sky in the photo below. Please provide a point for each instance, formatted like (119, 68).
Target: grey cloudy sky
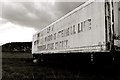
(35, 14)
(29, 17)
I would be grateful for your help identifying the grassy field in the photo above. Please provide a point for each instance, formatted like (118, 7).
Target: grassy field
(20, 67)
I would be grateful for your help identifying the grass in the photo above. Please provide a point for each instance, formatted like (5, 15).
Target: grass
(16, 55)
(22, 68)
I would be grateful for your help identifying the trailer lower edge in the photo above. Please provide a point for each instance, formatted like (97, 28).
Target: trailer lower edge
(77, 58)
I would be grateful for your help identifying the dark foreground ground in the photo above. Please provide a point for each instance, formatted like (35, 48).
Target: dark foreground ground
(21, 67)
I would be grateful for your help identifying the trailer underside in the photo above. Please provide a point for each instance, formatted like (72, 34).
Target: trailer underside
(80, 58)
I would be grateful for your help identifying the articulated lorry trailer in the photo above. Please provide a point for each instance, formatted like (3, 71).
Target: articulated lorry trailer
(91, 32)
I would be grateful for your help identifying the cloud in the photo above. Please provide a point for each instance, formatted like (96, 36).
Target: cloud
(20, 20)
(18, 14)
(35, 14)
(65, 7)
(15, 33)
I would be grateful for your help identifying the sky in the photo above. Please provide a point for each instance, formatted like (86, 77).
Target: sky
(19, 20)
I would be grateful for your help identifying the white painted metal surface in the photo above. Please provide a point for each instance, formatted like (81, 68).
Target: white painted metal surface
(81, 30)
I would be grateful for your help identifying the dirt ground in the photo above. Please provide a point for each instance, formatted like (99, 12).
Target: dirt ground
(21, 67)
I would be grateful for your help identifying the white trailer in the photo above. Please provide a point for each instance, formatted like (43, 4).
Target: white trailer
(92, 28)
